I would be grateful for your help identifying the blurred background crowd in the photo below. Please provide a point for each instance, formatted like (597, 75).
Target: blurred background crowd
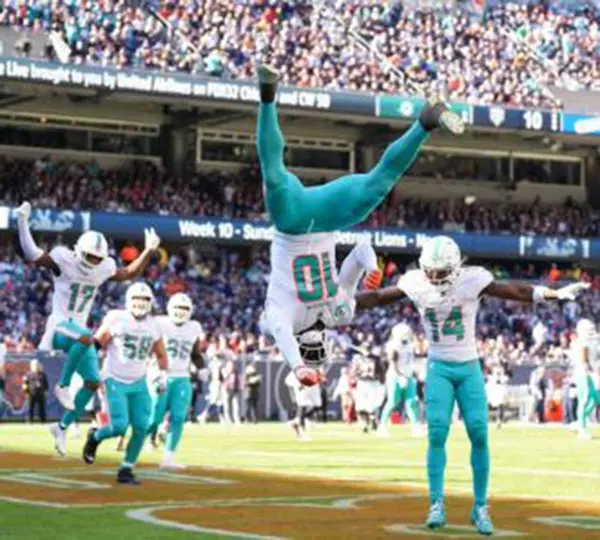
(481, 55)
(228, 288)
(143, 187)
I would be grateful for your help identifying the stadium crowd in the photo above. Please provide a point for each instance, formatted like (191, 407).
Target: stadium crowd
(142, 187)
(228, 288)
(480, 58)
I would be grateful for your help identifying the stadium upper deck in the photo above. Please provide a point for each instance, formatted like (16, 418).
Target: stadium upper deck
(479, 58)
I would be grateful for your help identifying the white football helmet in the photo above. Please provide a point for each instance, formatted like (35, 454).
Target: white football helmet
(91, 249)
(180, 308)
(586, 330)
(401, 333)
(139, 299)
(314, 345)
(441, 261)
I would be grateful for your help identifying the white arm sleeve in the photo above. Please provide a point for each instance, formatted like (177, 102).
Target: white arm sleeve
(30, 249)
(360, 260)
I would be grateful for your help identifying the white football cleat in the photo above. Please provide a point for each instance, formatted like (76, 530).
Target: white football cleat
(168, 463)
(64, 397)
(267, 74)
(584, 435)
(382, 432)
(60, 439)
(417, 431)
(304, 436)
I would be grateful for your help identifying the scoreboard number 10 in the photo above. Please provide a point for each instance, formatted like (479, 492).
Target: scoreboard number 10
(533, 120)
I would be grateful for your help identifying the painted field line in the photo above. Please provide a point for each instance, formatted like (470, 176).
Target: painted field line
(145, 515)
(371, 461)
(41, 504)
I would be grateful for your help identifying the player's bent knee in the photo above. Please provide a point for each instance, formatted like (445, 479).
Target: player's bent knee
(92, 385)
(478, 433)
(437, 432)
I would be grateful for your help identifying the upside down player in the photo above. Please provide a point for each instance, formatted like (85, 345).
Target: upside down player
(77, 275)
(183, 338)
(306, 219)
(447, 295)
(130, 336)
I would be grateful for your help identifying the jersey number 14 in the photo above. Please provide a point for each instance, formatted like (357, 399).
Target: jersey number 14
(453, 325)
(313, 277)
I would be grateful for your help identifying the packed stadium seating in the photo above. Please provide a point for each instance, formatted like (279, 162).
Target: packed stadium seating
(477, 60)
(142, 187)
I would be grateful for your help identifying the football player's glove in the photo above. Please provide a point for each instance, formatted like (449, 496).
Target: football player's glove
(373, 280)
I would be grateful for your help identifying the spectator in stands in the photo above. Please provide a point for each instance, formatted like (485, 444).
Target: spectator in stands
(35, 386)
(479, 59)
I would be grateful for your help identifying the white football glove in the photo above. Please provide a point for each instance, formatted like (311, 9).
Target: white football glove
(24, 211)
(161, 382)
(570, 292)
(151, 239)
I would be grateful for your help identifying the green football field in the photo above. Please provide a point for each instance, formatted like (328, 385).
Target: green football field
(259, 482)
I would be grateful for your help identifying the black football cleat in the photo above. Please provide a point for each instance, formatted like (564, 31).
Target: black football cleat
(91, 447)
(267, 82)
(126, 476)
(436, 114)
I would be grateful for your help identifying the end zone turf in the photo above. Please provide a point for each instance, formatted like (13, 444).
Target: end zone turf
(40, 496)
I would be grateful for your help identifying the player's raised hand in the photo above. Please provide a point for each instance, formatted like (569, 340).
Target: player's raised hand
(570, 292)
(373, 280)
(151, 239)
(24, 211)
(307, 376)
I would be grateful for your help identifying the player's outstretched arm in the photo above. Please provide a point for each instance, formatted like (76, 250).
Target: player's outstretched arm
(137, 267)
(523, 292)
(33, 253)
(380, 297)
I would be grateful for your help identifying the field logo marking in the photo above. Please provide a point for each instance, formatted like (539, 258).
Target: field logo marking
(52, 480)
(449, 531)
(145, 515)
(578, 522)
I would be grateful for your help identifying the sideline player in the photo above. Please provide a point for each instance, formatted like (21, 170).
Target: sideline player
(131, 337)
(183, 339)
(584, 357)
(447, 295)
(400, 382)
(369, 393)
(303, 288)
(77, 275)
